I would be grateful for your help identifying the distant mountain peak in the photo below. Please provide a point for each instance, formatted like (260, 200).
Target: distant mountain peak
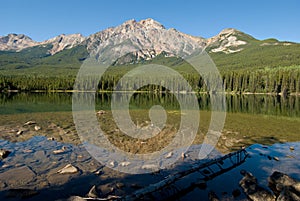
(147, 36)
(16, 42)
(147, 23)
(145, 39)
(228, 41)
(228, 31)
(151, 23)
(64, 41)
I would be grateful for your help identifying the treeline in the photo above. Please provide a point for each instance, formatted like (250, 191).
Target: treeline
(283, 80)
(270, 80)
(33, 82)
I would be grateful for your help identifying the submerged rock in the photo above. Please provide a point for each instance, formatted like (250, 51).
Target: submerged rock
(98, 171)
(60, 151)
(51, 138)
(112, 164)
(19, 132)
(169, 155)
(280, 179)
(183, 155)
(4, 153)
(284, 186)
(93, 193)
(68, 169)
(253, 190)
(288, 194)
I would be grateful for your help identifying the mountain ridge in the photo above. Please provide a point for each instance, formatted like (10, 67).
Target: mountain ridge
(222, 42)
(144, 40)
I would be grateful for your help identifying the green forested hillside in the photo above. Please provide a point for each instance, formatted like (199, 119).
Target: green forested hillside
(267, 66)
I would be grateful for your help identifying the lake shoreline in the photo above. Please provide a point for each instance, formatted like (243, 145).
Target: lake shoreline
(152, 92)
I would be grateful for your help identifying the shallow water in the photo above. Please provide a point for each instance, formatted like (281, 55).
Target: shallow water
(266, 125)
(32, 165)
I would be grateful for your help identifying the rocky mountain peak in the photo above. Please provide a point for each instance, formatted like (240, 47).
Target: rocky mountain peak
(226, 41)
(228, 31)
(150, 23)
(16, 42)
(147, 36)
(145, 39)
(147, 23)
(63, 41)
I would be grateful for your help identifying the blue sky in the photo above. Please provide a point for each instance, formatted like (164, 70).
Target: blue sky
(43, 19)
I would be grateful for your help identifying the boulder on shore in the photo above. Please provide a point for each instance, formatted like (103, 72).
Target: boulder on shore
(253, 190)
(284, 186)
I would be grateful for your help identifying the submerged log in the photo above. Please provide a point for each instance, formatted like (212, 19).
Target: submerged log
(170, 181)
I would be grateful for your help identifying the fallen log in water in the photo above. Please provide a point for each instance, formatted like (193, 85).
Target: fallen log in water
(205, 171)
(183, 181)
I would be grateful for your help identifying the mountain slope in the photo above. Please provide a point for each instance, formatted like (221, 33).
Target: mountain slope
(146, 39)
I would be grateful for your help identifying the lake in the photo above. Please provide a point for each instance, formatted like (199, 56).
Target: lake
(33, 125)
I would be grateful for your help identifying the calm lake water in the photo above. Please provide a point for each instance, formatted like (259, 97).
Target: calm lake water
(267, 125)
(14, 103)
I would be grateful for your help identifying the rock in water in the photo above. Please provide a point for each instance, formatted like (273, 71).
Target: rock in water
(253, 190)
(281, 179)
(60, 151)
(93, 193)
(169, 155)
(183, 155)
(51, 138)
(19, 132)
(288, 194)
(4, 153)
(68, 169)
(284, 186)
(112, 163)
